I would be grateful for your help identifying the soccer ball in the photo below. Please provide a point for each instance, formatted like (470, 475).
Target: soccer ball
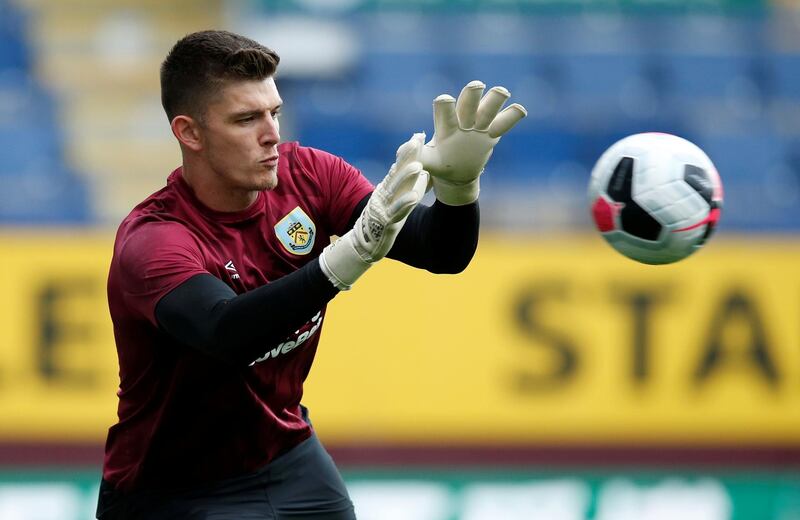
(656, 198)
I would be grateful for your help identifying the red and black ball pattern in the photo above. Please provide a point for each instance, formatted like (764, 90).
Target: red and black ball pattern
(620, 210)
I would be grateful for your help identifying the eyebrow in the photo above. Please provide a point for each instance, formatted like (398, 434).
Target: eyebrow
(255, 112)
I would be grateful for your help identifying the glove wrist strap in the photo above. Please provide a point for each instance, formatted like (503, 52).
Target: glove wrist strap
(454, 194)
(341, 263)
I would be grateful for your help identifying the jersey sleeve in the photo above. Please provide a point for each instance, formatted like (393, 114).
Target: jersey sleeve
(155, 259)
(343, 186)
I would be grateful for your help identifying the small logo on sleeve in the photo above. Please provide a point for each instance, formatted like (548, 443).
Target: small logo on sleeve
(231, 270)
(295, 232)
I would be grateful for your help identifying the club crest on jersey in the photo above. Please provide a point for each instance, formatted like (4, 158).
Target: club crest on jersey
(295, 232)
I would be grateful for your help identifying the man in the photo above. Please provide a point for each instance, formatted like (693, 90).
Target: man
(219, 283)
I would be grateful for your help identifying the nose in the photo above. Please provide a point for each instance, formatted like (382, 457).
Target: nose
(270, 134)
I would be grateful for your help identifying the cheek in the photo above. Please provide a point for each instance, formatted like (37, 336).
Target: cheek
(225, 156)
(229, 147)
(233, 148)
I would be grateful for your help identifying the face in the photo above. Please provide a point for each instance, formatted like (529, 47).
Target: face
(240, 134)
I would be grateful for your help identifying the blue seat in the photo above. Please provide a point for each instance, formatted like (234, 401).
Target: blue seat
(508, 70)
(747, 165)
(392, 71)
(26, 143)
(349, 137)
(36, 197)
(37, 188)
(599, 78)
(544, 145)
(743, 158)
(691, 77)
(784, 74)
(15, 52)
(28, 127)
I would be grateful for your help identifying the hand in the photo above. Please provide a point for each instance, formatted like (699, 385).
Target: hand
(377, 227)
(465, 134)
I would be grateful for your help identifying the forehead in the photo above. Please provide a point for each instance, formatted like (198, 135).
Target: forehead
(241, 95)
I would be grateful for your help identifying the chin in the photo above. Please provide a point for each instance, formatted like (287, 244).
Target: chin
(269, 182)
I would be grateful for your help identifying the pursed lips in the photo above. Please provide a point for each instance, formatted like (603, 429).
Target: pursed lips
(270, 161)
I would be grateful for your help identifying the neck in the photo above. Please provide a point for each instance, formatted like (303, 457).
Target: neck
(211, 192)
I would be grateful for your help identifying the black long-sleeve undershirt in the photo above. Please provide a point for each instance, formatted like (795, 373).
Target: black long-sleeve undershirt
(206, 314)
(439, 238)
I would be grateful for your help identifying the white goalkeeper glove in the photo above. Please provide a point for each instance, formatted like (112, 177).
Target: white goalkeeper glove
(377, 227)
(465, 134)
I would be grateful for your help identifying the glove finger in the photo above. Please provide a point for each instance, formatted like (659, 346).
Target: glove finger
(467, 103)
(490, 106)
(405, 180)
(408, 152)
(445, 120)
(506, 120)
(421, 186)
(401, 207)
(414, 190)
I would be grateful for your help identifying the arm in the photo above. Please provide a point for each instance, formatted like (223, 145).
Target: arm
(438, 238)
(204, 313)
(443, 238)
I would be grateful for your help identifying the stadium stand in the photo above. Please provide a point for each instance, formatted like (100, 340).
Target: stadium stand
(38, 185)
(88, 85)
(101, 61)
(587, 83)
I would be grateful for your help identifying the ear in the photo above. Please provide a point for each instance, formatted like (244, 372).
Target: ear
(187, 131)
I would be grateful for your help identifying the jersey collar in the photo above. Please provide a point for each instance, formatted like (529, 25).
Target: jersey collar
(225, 217)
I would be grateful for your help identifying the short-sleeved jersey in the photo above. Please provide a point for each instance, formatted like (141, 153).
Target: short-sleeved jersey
(185, 417)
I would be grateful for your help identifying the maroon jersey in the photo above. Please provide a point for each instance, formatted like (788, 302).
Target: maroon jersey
(185, 417)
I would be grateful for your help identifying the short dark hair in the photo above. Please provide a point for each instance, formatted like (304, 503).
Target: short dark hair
(199, 64)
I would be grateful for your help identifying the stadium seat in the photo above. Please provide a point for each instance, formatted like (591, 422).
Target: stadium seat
(508, 70)
(599, 78)
(14, 51)
(28, 127)
(742, 158)
(350, 137)
(55, 197)
(784, 75)
(690, 77)
(391, 71)
(750, 166)
(37, 187)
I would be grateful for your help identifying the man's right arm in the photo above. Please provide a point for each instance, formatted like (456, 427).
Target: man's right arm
(204, 313)
(159, 274)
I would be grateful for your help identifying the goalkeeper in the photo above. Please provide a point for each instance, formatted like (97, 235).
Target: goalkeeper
(219, 283)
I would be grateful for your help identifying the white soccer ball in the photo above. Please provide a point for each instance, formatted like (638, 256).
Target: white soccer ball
(656, 198)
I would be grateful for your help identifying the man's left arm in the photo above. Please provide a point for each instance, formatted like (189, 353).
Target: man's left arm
(442, 238)
(439, 238)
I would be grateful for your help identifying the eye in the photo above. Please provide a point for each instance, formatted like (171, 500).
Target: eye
(245, 120)
(276, 114)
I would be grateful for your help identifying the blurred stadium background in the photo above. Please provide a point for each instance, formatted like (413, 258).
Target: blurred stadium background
(554, 379)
